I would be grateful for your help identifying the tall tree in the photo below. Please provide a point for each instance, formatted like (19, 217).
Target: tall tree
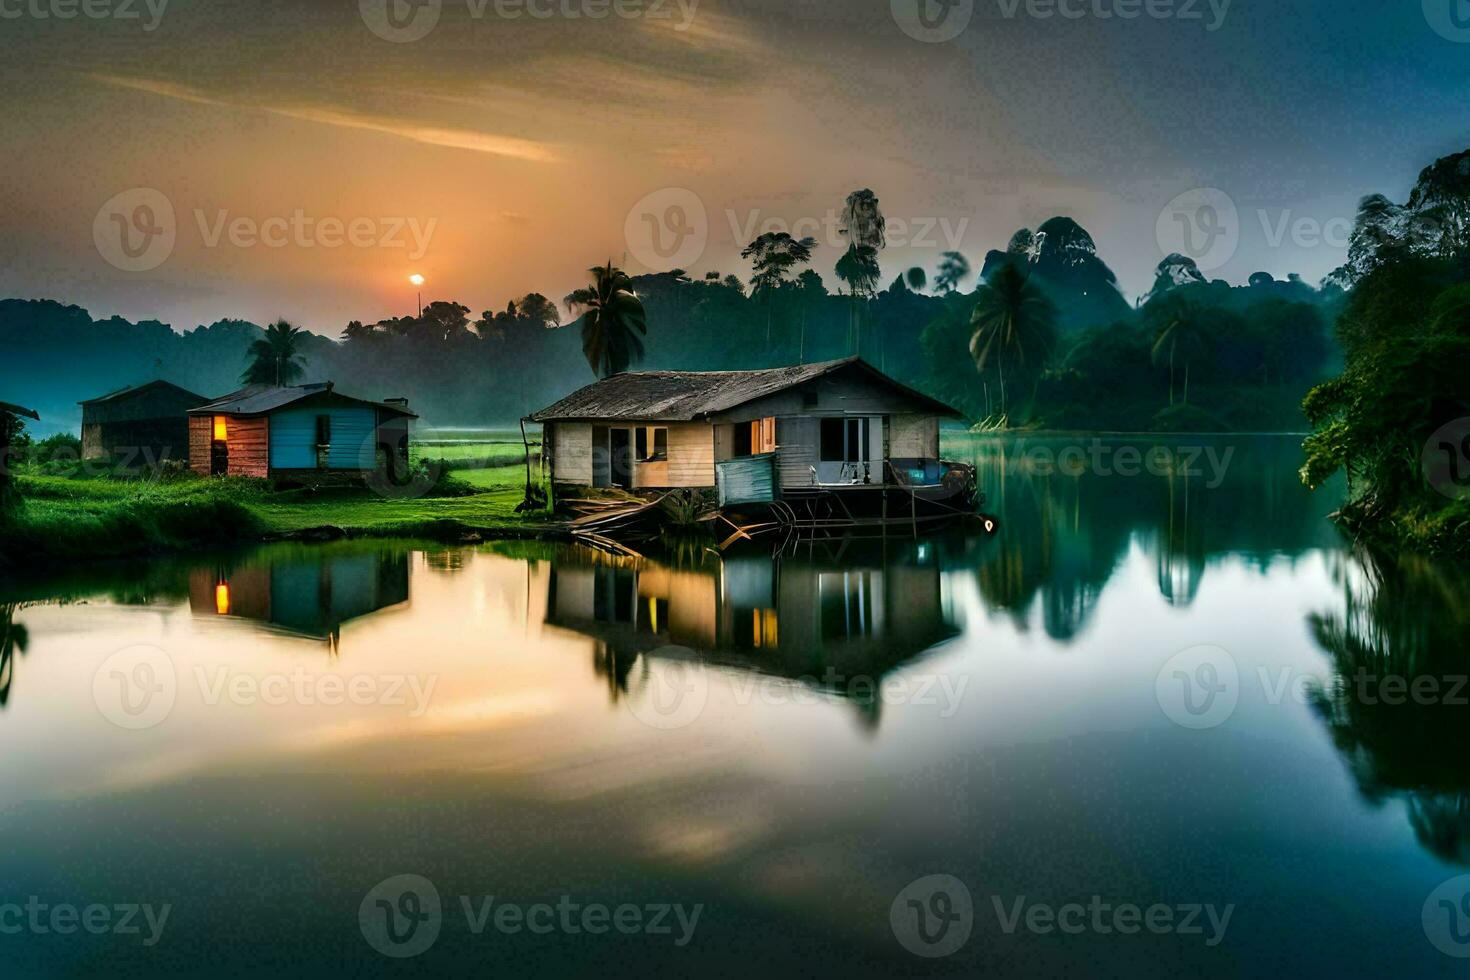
(953, 268)
(273, 359)
(866, 231)
(1013, 324)
(614, 322)
(772, 255)
(1179, 331)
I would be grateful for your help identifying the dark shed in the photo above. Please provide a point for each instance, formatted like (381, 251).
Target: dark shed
(141, 425)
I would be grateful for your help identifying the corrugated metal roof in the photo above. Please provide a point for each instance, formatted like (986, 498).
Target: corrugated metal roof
(263, 399)
(679, 396)
(137, 389)
(17, 410)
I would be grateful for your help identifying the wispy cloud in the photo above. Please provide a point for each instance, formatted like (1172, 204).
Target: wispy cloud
(477, 141)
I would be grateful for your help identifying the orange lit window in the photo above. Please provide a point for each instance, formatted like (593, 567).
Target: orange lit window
(222, 598)
(764, 629)
(219, 428)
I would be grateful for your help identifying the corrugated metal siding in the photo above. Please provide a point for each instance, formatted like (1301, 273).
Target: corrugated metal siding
(748, 480)
(353, 447)
(796, 445)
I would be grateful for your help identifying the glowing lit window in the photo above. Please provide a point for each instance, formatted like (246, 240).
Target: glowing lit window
(222, 598)
(219, 428)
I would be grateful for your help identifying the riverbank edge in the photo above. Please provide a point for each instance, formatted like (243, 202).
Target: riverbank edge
(439, 530)
(1442, 533)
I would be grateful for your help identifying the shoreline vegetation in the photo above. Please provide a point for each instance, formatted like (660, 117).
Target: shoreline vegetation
(1045, 341)
(1396, 421)
(469, 493)
(85, 518)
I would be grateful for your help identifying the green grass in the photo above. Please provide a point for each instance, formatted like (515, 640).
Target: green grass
(469, 449)
(71, 518)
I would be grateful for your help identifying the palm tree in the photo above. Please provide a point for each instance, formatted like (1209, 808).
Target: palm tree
(613, 320)
(1013, 322)
(13, 640)
(1179, 329)
(273, 359)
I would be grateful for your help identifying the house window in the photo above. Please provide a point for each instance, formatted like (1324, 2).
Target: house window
(808, 399)
(845, 441)
(652, 444)
(323, 441)
(220, 430)
(755, 437)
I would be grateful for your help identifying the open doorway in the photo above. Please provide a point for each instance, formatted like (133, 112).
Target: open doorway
(219, 447)
(620, 451)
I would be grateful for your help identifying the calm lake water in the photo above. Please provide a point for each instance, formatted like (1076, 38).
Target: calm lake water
(1151, 726)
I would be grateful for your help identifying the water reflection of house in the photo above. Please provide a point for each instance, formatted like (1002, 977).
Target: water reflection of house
(840, 627)
(308, 592)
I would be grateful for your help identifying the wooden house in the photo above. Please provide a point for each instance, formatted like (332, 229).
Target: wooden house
(836, 423)
(141, 425)
(801, 617)
(303, 430)
(304, 592)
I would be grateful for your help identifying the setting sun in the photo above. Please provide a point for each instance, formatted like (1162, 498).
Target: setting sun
(416, 279)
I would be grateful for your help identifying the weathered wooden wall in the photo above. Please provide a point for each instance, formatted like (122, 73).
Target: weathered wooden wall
(249, 445)
(201, 429)
(915, 436)
(691, 455)
(571, 447)
(847, 393)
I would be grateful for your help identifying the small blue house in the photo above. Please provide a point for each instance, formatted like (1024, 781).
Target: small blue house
(266, 431)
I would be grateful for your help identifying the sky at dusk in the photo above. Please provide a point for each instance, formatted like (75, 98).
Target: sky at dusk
(311, 164)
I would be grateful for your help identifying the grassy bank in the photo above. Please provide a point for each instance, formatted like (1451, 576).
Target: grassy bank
(1430, 528)
(69, 518)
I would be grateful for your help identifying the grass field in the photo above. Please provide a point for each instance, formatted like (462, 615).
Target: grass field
(475, 480)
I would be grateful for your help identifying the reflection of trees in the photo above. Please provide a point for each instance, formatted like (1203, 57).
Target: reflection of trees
(1180, 548)
(1064, 530)
(614, 664)
(1403, 618)
(13, 640)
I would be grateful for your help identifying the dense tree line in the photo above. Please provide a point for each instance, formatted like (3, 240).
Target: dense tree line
(1041, 336)
(1397, 419)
